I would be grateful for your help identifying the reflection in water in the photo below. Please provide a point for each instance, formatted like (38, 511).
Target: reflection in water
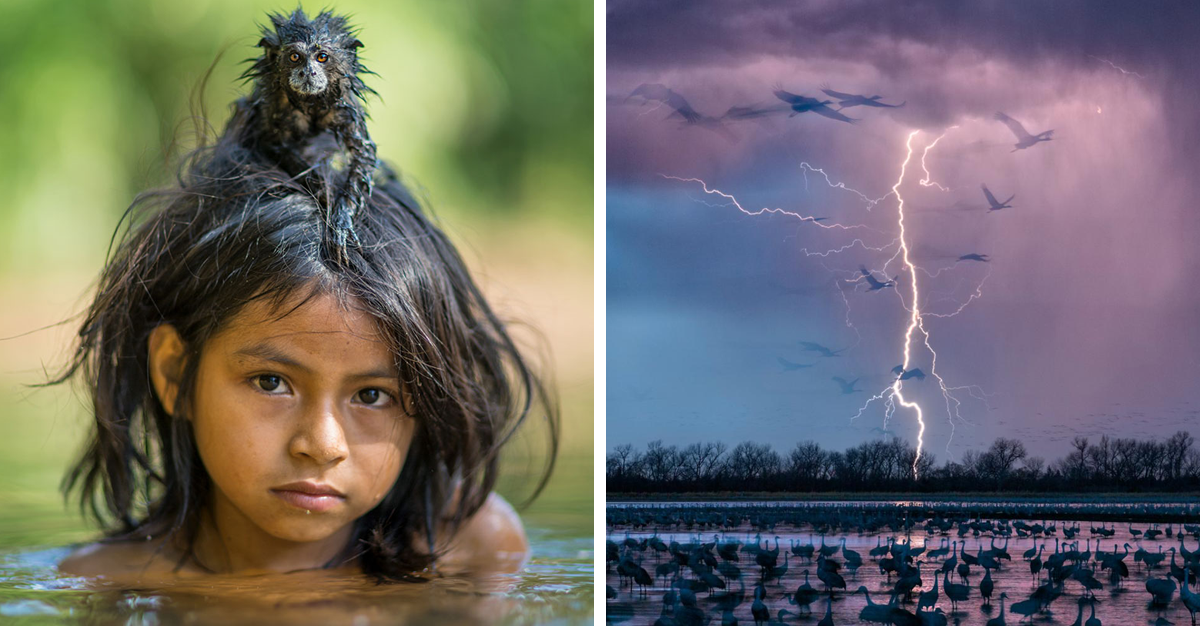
(704, 564)
(555, 585)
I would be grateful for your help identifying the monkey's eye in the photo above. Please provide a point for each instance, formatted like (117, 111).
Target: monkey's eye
(295, 57)
(322, 57)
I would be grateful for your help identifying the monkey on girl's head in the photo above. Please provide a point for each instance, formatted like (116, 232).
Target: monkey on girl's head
(306, 83)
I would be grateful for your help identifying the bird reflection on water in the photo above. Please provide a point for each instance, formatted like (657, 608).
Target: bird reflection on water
(921, 570)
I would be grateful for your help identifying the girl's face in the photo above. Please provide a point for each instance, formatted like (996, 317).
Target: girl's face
(300, 422)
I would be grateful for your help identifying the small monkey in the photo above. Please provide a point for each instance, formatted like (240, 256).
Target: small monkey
(306, 83)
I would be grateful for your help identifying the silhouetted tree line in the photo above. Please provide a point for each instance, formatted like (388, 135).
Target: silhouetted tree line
(1109, 464)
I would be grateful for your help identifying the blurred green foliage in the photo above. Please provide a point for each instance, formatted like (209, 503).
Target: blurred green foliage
(486, 105)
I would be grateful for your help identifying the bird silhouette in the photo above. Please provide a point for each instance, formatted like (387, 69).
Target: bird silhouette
(803, 104)
(999, 619)
(847, 100)
(874, 283)
(1024, 138)
(810, 346)
(976, 257)
(912, 373)
(788, 366)
(847, 387)
(1190, 599)
(877, 613)
(805, 595)
(680, 108)
(828, 619)
(995, 204)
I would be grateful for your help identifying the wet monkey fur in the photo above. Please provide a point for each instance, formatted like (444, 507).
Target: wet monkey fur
(306, 84)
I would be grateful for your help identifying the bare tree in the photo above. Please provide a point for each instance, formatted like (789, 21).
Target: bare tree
(699, 461)
(806, 463)
(1175, 453)
(620, 462)
(661, 462)
(751, 461)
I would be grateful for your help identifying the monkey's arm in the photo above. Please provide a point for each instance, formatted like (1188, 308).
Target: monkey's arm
(351, 131)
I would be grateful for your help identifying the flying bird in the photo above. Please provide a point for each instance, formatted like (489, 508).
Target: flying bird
(788, 366)
(912, 373)
(1024, 139)
(847, 387)
(847, 100)
(667, 96)
(754, 111)
(822, 350)
(996, 205)
(681, 108)
(975, 257)
(874, 282)
(802, 104)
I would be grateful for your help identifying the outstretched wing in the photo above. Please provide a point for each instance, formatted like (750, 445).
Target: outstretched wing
(874, 282)
(682, 107)
(831, 114)
(839, 95)
(988, 193)
(1014, 126)
(651, 91)
(808, 345)
(755, 111)
(841, 381)
(794, 99)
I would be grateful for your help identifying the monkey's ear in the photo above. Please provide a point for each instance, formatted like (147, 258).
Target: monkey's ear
(354, 43)
(264, 43)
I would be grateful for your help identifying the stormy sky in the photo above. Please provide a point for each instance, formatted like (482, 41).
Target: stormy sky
(1084, 321)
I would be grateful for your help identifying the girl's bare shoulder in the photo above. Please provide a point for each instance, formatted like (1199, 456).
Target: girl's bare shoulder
(492, 539)
(118, 559)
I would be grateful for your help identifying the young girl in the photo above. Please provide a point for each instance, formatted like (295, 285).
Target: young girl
(279, 385)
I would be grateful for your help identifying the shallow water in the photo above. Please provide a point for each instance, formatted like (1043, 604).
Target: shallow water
(554, 587)
(1126, 606)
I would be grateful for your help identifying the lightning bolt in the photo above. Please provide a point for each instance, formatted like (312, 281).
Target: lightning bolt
(1116, 67)
(915, 311)
(928, 180)
(893, 395)
(805, 168)
(734, 202)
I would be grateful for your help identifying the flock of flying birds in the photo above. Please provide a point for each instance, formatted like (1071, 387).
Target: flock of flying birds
(791, 105)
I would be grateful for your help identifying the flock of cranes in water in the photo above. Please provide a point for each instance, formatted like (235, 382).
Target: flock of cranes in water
(733, 576)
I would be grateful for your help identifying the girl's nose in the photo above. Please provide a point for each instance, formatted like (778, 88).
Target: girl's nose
(319, 435)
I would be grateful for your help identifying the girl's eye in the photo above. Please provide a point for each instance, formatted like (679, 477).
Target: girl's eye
(269, 382)
(373, 397)
(295, 57)
(322, 57)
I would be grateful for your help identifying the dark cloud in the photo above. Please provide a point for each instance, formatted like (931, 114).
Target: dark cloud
(911, 40)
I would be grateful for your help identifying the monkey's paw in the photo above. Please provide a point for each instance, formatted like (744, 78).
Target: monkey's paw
(344, 210)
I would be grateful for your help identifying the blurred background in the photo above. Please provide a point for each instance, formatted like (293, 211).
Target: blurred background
(484, 106)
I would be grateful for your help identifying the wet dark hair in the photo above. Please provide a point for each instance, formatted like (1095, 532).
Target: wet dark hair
(235, 230)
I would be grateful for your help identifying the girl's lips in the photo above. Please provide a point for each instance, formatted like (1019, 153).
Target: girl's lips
(311, 502)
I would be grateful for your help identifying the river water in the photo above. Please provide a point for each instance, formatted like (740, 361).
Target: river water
(1126, 605)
